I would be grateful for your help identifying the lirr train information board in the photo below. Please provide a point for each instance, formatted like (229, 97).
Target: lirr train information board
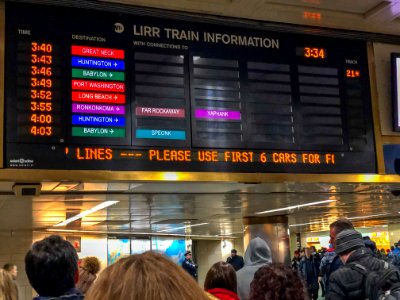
(90, 89)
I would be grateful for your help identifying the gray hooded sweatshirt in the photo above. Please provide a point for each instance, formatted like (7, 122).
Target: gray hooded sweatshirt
(257, 254)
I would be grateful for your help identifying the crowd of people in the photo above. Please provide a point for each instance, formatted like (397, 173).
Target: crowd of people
(346, 268)
(350, 269)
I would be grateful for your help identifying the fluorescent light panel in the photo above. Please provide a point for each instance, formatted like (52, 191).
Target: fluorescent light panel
(303, 224)
(136, 233)
(351, 218)
(86, 212)
(182, 227)
(367, 217)
(294, 206)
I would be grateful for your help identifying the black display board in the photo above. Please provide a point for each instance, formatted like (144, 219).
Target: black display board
(395, 72)
(89, 89)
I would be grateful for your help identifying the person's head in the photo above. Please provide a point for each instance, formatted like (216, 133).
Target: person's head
(91, 264)
(233, 252)
(347, 242)
(313, 249)
(370, 244)
(8, 290)
(277, 282)
(145, 276)
(188, 255)
(221, 275)
(89, 267)
(52, 266)
(296, 253)
(12, 269)
(307, 252)
(338, 226)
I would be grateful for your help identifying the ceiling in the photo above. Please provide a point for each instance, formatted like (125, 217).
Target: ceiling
(172, 208)
(201, 210)
(377, 16)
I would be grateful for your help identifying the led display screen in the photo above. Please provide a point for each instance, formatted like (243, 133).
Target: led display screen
(101, 90)
(396, 90)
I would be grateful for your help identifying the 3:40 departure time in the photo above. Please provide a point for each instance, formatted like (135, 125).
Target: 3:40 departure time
(41, 47)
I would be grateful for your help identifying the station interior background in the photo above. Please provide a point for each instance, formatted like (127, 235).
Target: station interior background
(208, 215)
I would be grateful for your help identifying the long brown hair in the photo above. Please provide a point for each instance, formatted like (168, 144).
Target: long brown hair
(277, 282)
(8, 290)
(221, 275)
(147, 276)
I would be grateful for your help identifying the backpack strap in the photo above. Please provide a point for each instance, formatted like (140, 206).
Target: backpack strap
(359, 268)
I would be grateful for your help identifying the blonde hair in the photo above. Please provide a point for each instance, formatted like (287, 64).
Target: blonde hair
(147, 276)
(8, 290)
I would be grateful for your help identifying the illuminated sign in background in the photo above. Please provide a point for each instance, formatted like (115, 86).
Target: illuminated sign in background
(146, 93)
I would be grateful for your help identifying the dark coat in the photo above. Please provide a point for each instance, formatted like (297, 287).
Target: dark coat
(347, 283)
(296, 263)
(329, 263)
(309, 270)
(189, 266)
(72, 294)
(236, 262)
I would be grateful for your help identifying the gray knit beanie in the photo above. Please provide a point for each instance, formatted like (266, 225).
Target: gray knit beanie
(348, 240)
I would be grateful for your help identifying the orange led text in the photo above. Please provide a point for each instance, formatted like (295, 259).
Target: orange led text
(286, 158)
(94, 153)
(311, 158)
(238, 156)
(207, 155)
(170, 155)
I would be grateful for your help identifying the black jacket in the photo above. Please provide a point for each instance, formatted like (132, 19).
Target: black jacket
(347, 283)
(334, 265)
(72, 294)
(189, 266)
(236, 262)
(309, 270)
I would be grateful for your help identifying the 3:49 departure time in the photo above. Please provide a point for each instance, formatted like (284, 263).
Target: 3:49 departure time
(41, 82)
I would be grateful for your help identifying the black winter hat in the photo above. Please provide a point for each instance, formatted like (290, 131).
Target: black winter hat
(348, 240)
